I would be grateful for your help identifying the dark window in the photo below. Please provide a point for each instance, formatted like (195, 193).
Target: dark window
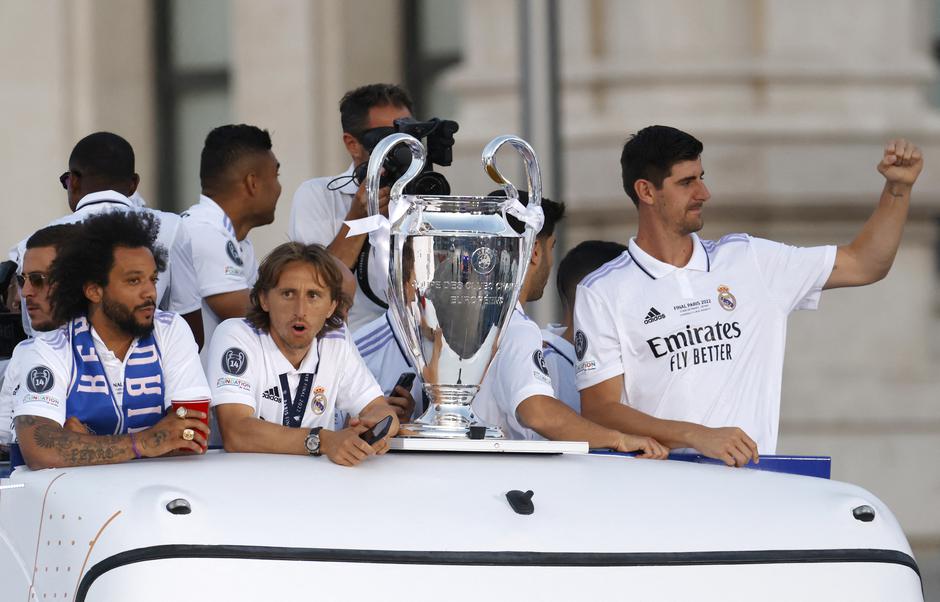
(193, 72)
(433, 41)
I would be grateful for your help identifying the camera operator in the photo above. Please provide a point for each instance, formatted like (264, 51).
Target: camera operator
(322, 205)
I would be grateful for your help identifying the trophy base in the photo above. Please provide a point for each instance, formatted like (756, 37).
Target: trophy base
(450, 421)
(435, 431)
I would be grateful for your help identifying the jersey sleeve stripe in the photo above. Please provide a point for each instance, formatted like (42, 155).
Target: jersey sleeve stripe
(732, 238)
(374, 346)
(373, 336)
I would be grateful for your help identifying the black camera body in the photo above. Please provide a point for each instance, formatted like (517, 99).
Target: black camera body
(440, 143)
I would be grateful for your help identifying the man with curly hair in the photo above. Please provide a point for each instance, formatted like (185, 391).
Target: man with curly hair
(94, 391)
(279, 376)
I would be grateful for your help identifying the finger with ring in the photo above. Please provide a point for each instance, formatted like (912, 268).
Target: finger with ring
(189, 434)
(181, 412)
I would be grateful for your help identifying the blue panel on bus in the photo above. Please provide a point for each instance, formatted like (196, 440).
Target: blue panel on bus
(809, 466)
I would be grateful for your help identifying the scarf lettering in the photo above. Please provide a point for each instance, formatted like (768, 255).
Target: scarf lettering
(91, 398)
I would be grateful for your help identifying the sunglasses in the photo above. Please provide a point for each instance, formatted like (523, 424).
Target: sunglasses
(36, 279)
(66, 178)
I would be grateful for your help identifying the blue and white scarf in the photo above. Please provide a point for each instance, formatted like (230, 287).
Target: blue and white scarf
(91, 398)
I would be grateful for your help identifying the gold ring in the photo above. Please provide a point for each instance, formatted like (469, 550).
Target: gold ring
(188, 434)
(181, 412)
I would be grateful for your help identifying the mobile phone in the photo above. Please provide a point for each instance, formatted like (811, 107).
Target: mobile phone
(405, 380)
(378, 431)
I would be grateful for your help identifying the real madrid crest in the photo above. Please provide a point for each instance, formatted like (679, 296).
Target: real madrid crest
(318, 403)
(725, 299)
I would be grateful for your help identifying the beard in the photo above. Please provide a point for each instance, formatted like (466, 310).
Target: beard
(124, 317)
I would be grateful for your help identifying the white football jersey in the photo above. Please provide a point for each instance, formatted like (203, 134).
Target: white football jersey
(703, 343)
(386, 358)
(6, 402)
(559, 357)
(50, 353)
(245, 366)
(218, 262)
(517, 372)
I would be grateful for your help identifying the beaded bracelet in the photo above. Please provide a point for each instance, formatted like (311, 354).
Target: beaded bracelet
(134, 446)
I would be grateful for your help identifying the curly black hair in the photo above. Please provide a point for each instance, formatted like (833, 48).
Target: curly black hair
(88, 256)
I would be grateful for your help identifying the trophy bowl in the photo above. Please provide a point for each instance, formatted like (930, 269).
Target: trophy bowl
(456, 268)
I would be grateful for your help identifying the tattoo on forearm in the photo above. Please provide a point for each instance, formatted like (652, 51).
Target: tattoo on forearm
(153, 438)
(73, 449)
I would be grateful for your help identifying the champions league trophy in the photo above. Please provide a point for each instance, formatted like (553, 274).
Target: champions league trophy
(456, 268)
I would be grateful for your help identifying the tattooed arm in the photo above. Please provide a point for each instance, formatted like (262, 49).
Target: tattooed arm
(46, 444)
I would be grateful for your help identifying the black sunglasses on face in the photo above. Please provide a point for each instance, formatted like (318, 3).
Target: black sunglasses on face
(67, 176)
(37, 279)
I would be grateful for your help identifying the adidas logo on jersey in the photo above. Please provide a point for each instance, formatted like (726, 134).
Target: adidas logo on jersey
(653, 315)
(273, 394)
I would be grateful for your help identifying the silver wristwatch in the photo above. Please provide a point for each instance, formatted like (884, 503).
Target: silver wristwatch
(312, 442)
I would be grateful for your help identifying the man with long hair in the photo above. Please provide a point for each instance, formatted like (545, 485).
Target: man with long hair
(280, 375)
(94, 391)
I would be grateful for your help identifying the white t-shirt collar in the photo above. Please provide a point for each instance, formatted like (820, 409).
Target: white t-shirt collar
(105, 351)
(282, 365)
(104, 196)
(658, 269)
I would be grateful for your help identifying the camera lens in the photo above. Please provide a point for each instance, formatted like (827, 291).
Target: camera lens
(429, 183)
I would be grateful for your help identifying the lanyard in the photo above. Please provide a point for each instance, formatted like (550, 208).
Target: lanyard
(294, 407)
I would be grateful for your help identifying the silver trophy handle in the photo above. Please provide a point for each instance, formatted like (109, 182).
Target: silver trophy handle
(533, 178)
(374, 171)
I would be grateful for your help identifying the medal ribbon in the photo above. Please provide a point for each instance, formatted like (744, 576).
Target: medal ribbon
(295, 407)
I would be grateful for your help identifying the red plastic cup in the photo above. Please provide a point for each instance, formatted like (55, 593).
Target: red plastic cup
(200, 405)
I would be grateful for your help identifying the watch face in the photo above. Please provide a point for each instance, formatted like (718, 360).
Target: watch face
(312, 443)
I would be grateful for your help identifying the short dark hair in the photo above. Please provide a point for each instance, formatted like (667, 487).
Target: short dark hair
(52, 236)
(650, 154)
(581, 261)
(269, 272)
(554, 213)
(105, 156)
(225, 146)
(88, 256)
(355, 104)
